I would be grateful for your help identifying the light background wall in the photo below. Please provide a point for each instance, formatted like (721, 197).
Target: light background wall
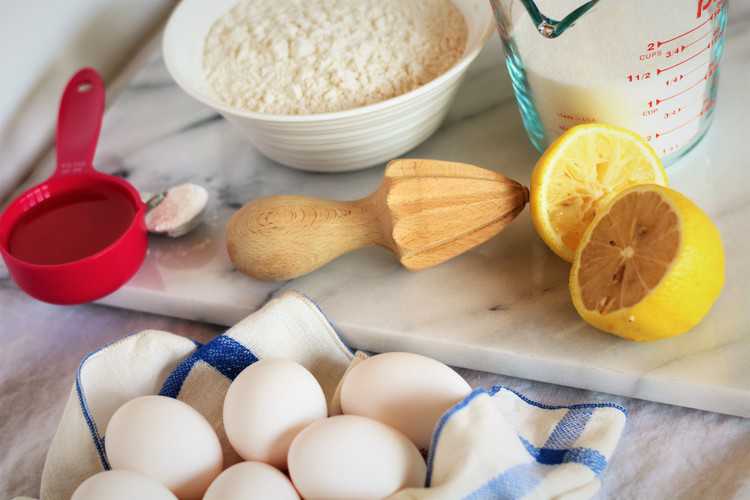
(42, 43)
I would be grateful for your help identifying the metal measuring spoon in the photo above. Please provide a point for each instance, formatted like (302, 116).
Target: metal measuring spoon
(176, 211)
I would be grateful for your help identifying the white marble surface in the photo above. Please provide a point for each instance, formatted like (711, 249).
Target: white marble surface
(502, 308)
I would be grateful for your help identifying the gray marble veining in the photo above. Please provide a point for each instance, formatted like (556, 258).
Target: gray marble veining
(504, 307)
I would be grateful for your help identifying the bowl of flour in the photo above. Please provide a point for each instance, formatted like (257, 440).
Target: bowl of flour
(327, 85)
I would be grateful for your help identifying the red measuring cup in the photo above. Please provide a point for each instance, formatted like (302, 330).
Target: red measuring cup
(81, 234)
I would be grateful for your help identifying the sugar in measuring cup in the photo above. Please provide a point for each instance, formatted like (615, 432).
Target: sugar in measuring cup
(650, 66)
(80, 234)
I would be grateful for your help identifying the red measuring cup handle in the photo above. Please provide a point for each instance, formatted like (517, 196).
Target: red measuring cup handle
(79, 122)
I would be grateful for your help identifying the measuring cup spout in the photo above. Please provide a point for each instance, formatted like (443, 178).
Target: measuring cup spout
(551, 28)
(79, 122)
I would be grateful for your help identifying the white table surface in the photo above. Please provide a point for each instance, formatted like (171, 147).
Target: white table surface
(666, 452)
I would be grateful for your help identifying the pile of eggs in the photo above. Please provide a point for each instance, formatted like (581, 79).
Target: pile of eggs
(276, 418)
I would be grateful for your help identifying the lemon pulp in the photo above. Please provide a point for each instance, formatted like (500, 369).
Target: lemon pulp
(579, 172)
(650, 265)
(629, 252)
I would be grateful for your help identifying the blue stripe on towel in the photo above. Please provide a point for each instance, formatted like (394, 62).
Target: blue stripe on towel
(516, 482)
(560, 407)
(86, 411)
(90, 423)
(585, 456)
(521, 479)
(228, 356)
(569, 428)
(173, 384)
(328, 320)
(444, 420)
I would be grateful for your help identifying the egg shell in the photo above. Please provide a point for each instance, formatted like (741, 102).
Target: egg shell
(251, 481)
(351, 457)
(121, 485)
(167, 440)
(267, 405)
(407, 391)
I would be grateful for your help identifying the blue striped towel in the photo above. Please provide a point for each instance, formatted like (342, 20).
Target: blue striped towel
(495, 444)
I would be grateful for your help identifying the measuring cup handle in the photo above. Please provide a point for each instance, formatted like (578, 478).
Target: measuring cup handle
(79, 121)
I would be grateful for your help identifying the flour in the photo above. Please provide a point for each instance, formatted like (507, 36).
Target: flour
(316, 56)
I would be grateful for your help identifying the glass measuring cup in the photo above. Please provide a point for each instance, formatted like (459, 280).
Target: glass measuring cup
(648, 66)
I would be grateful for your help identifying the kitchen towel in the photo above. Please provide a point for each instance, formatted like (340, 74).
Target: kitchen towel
(493, 444)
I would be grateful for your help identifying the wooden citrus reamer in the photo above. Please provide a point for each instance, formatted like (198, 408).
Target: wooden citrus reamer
(425, 211)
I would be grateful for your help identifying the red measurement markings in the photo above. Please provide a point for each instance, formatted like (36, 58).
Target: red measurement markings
(637, 77)
(704, 66)
(576, 118)
(659, 43)
(650, 55)
(674, 80)
(662, 70)
(711, 70)
(698, 39)
(675, 51)
(670, 149)
(674, 112)
(713, 16)
(718, 33)
(678, 127)
(659, 101)
(705, 110)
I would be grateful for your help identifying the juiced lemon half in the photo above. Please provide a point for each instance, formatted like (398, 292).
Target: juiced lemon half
(649, 266)
(584, 166)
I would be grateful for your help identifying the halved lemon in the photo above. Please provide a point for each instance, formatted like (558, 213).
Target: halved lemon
(585, 165)
(650, 265)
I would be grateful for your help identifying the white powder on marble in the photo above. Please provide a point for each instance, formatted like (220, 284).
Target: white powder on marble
(179, 211)
(316, 56)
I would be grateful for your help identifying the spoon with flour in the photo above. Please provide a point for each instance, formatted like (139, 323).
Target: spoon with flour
(176, 211)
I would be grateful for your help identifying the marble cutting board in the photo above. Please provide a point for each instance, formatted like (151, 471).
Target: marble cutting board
(504, 307)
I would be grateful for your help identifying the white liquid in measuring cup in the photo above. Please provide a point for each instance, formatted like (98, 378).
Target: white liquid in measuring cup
(641, 64)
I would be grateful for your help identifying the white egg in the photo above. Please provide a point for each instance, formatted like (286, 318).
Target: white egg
(121, 485)
(407, 391)
(251, 481)
(347, 457)
(266, 406)
(167, 440)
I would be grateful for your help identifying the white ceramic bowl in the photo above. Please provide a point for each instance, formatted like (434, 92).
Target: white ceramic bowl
(325, 142)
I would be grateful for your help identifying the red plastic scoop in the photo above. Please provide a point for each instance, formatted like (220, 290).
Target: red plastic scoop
(80, 234)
